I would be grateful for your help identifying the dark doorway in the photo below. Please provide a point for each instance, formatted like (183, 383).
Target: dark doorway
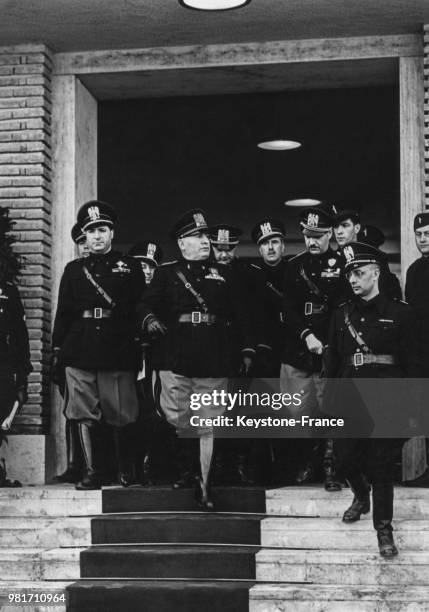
(159, 157)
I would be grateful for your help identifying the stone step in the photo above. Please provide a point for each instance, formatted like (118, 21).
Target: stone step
(40, 532)
(52, 500)
(332, 533)
(35, 588)
(186, 527)
(164, 498)
(34, 564)
(169, 561)
(348, 567)
(315, 501)
(311, 492)
(337, 598)
(159, 596)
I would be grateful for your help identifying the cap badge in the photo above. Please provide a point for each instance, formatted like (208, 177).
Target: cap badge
(365, 232)
(223, 235)
(313, 220)
(94, 213)
(420, 220)
(199, 220)
(266, 228)
(349, 253)
(334, 209)
(151, 250)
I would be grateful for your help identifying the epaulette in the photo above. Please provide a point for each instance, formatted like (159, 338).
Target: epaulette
(252, 265)
(9, 283)
(344, 303)
(169, 263)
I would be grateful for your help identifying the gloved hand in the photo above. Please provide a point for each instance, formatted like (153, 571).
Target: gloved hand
(155, 327)
(247, 361)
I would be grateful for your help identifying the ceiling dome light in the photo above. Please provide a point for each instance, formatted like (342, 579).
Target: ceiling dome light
(279, 145)
(213, 5)
(303, 202)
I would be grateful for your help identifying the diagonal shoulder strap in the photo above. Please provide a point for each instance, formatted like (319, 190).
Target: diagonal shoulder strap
(190, 288)
(312, 286)
(99, 289)
(356, 337)
(274, 289)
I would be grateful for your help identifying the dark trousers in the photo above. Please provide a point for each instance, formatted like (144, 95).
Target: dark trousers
(373, 457)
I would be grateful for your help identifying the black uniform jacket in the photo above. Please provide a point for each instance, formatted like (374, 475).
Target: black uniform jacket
(105, 343)
(417, 295)
(388, 327)
(269, 284)
(198, 349)
(14, 344)
(300, 297)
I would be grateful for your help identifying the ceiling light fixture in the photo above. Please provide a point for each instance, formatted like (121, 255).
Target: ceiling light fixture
(213, 5)
(279, 144)
(303, 202)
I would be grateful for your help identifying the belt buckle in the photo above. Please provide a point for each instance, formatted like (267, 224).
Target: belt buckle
(98, 313)
(196, 317)
(308, 308)
(358, 359)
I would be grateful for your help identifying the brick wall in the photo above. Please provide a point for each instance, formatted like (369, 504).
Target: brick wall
(25, 187)
(426, 111)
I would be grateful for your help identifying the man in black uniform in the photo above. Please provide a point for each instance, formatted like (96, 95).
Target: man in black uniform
(15, 363)
(192, 301)
(269, 236)
(94, 338)
(371, 336)
(151, 435)
(73, 471)
(313, 286)
(417, 295)
(348, 229)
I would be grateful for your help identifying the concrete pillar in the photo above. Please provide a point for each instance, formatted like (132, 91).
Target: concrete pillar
(74, 139)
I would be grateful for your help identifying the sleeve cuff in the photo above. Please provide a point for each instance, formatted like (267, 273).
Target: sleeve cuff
(305, 333)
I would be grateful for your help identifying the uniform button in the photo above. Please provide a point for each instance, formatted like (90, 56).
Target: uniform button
(360, 333)
(97, 275)
(313, 274)
(363, 319)
(98, 328)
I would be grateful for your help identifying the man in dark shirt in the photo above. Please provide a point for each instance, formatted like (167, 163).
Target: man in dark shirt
(269, 235)
(193, 301)
(94, 338)
(15, 365)
(417, 295)
(313, 286)
(371, 336)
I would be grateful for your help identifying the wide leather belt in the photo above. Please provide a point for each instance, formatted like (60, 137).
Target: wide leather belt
(97, 313)
(360, 359)
(198, 317)
(311, 308)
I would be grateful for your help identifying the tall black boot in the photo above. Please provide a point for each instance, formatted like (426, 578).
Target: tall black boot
(123, 460)
(329, 467)
(361, 502)
(88, 435)
(73, 471)
(187, 453)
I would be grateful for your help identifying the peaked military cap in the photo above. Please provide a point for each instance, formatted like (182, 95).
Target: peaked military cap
(318, 219)
(421, 220)
(347, 213)
(147, 251)
(372, 235)
(224, 235)
(359, 254)
(191, 222)
(267, 228)
(95, 213)
(77, 234)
